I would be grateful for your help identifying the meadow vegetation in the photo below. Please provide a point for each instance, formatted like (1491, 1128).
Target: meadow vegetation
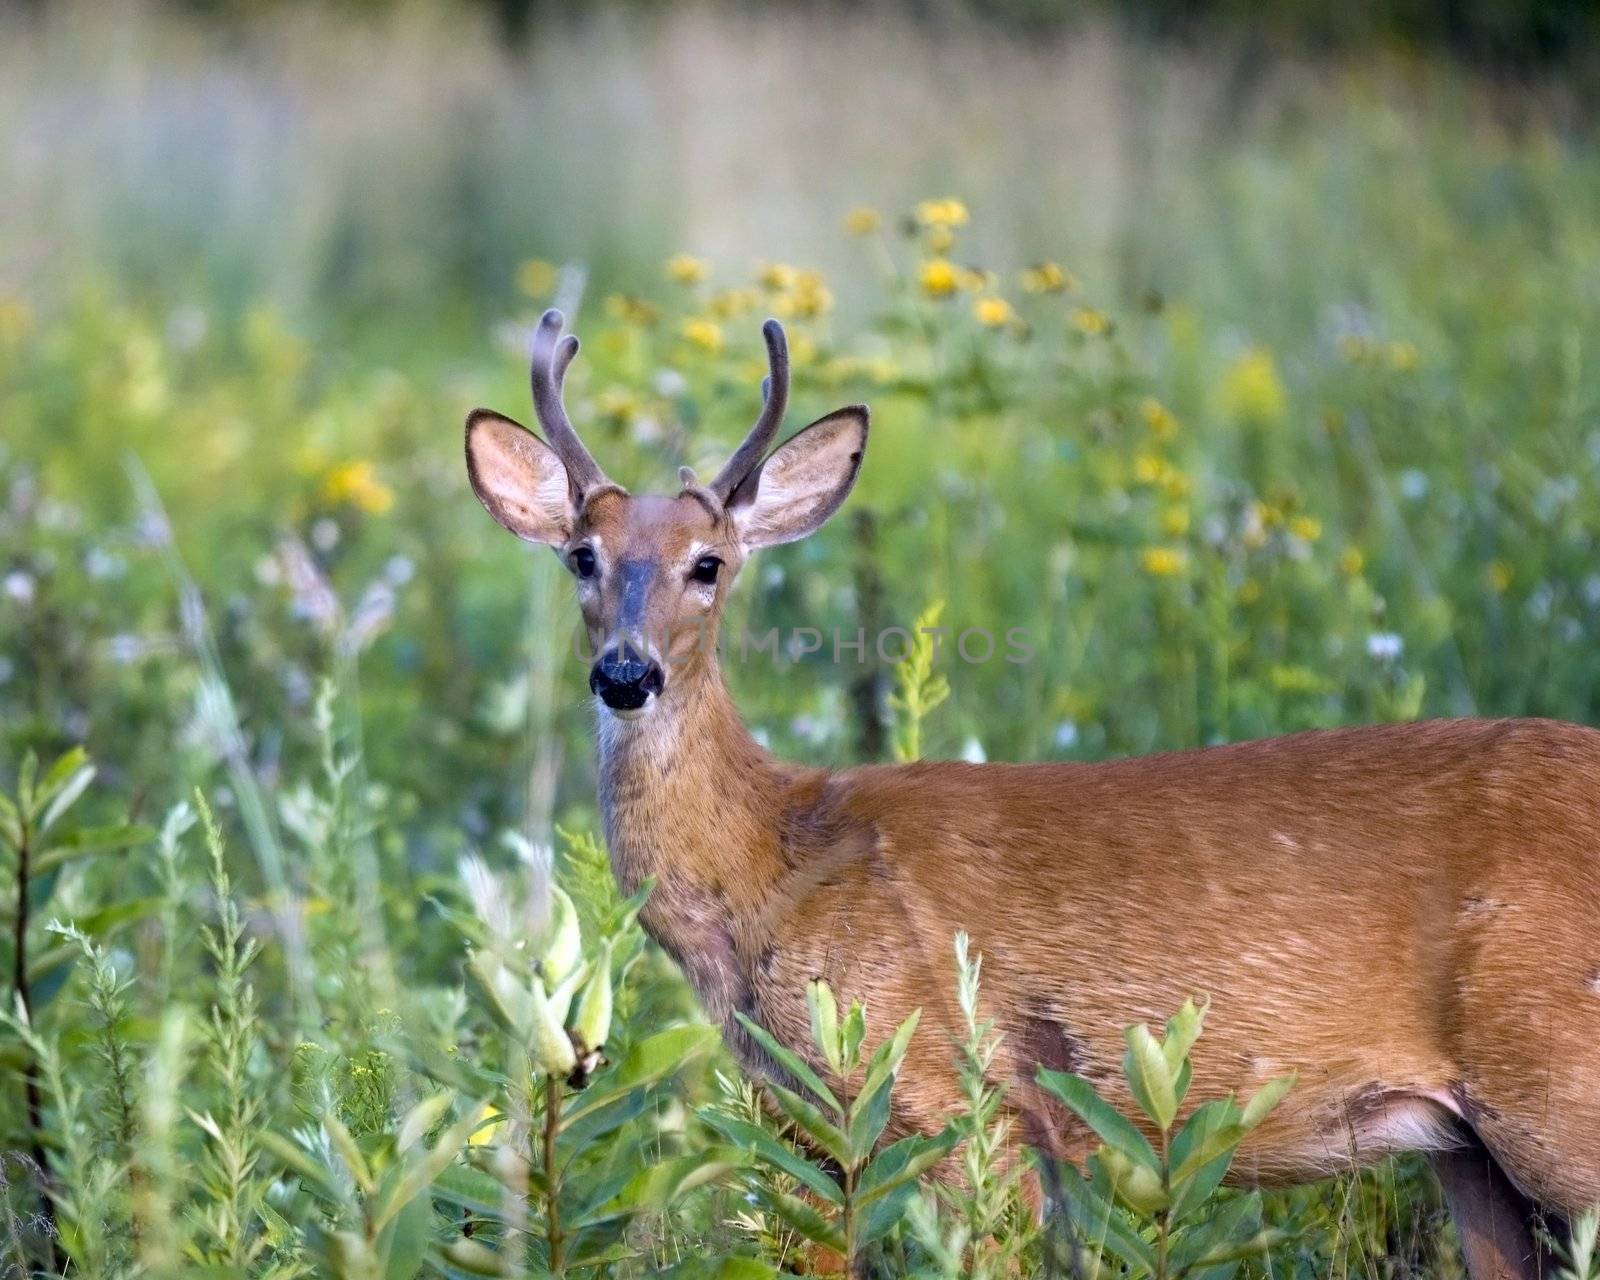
(314, 963)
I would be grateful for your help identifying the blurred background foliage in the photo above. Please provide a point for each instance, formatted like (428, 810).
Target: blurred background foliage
(1242, 359)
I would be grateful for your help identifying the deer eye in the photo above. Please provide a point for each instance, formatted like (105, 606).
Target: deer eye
(583, 562)
(705, 569)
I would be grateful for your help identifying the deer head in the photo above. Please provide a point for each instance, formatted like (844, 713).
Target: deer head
(653, 571)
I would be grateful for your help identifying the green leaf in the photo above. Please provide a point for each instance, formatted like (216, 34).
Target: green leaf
(1113, 1128)
(67, 780)
(470, 1189)
(790, 1062)
(765, 1147)
(417, 1174)
(1183, 1029)
(27, 771)
(420, 1119)
(1151, 1080)
(852, 1031)
(652, 1190)
(805, 1218)
(902, 1162)
(403, 1244)
(1227, 1236)
(348, 1151)
(1134, 1184)
(82, 841)
(1264, 1100)
(816, 1126)
(299, 1162)
(887, 1057)
(869, 1114)
(645, 1062)
(1100, 1224)
(10, 822)
(825, 1022)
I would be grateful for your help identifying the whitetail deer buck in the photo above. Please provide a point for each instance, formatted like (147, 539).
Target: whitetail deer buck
(1407, 917)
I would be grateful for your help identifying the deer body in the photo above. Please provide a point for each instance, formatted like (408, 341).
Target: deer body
(1404, 917)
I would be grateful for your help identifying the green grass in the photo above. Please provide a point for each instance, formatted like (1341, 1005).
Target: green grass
(1312, 438)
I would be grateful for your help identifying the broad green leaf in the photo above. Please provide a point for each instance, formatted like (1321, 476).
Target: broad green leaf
(852, 1031)
(824, 1022)
(61, 788)
(790, 1062)
(903, 1161)
(887, 1057)
(417, 1174)
(469, 1188)
(1264, 1100)
(1183, 1029)
(645, 1062)
(420, 1119)
(804, 1218)
(301, 1163)
(1149, 1076)
(868, 1115)
(27, 771)
(816, 1126)
(403, 1243)
(1227, 1236)
(347, 1149)
(82, 841)
(653, 1189)
(1136, 1185)
(1101, 1225)
(10, 823)
(765, 1147)
(1113, 1128)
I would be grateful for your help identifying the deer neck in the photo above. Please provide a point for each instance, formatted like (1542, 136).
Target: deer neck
(686, 796)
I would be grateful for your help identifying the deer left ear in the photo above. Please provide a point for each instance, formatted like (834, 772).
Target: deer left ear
(802, 482)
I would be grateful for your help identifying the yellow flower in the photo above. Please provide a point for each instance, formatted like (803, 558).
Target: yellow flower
(1252, 390)
(1175, 522)
(940, 239)
(993, 313)
(1162, 562)
(1149, 468)
(1161, 421)
(863, 220)
(1175, 484)
(776, 276)
(356, 483)
(536, 277)
(1047, 277)
(705, 334)
(631, 311)
(1088, 320)
(1269, 516)
(1307, 528)
(1499, 576)
(948, 212)
(687, 269)
(730, 304)
(16, 321)
(619, 404)
(809, 297)
(938, 278)
(1352, 561)
(1403, 357)
(1249, 591)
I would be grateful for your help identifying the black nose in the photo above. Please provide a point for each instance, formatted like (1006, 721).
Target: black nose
(623, 680)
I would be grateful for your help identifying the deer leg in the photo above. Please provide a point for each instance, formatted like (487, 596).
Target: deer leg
(1493, 1218)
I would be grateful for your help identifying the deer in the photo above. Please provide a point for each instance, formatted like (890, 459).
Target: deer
(1405, 916)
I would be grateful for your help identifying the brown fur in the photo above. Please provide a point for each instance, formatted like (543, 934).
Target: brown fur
(1404, 917)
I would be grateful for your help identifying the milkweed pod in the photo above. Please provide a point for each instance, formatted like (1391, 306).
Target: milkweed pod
(550, 1045)
(593, 1023)
(563, 940)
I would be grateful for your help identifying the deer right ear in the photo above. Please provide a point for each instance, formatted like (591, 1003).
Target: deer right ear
(518, 478)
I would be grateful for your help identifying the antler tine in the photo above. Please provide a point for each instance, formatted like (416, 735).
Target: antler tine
(775, 394)
(552, 353)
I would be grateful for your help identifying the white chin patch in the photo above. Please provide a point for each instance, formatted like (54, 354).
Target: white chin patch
(630, 713)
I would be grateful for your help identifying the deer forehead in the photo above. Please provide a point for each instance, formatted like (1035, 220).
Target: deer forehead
(650, 526)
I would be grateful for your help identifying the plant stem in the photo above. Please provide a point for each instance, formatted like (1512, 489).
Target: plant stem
(552, 1175)
(23, 996)
(850, 1263)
